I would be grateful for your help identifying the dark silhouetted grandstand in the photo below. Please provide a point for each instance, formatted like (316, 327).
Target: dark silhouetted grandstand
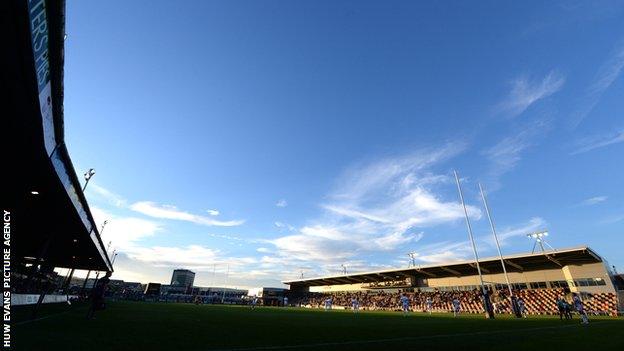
(52, 225)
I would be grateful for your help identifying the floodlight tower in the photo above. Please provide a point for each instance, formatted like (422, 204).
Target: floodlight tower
(344, 269)
(412, 256)
(539, 240)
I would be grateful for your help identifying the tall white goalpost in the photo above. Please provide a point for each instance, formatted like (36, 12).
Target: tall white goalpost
(474, 247)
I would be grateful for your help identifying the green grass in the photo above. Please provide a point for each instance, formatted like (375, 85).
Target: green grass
(150, 326)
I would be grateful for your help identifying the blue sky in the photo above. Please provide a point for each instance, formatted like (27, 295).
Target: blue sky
(280, 137)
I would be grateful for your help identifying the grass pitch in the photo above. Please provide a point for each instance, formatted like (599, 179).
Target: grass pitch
(160, 326)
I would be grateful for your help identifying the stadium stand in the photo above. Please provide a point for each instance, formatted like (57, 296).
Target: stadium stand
(539, 279)
(51, 222)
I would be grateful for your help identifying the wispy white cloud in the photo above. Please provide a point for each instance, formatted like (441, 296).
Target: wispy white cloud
(593, 201)
(231, 238)
(140, 260)
(394, 173)
(128, 234)
(124, 232)
(443, 251)
(598, 141)
(355, 214)
(281, 203)
(505, 155)
(107, 195)
(212, 267)
(449, 251)
(613, 219)
(283, 225)
(607, 74)
(155, 210)
(191, 256)
(507, 233)
(378, 207)
(525, 92)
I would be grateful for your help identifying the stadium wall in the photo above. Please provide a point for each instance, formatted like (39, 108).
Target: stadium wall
(570, 274)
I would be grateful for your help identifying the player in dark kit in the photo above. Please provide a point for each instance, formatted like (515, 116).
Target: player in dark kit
(97, 296)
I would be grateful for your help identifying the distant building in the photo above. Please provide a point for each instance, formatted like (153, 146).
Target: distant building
(183, 278)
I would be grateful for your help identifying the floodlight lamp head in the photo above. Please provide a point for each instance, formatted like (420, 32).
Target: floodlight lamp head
(88, 174)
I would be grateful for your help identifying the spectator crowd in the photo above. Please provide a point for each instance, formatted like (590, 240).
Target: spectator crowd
(535, 301)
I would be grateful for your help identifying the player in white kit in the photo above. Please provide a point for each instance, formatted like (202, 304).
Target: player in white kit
(405, 304)
(456, 306)
(429, 304)
(328, 304)
(355, 305)
(522, 307)
(578, 305)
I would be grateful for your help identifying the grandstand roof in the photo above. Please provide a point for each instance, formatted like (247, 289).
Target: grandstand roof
(50, 217)
(514, 263)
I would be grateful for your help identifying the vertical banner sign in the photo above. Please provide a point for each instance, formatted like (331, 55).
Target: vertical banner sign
(39, 38)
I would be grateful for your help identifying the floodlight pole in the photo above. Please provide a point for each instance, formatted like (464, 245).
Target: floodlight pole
(534, 245)
(474, 247)
(487, 210)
